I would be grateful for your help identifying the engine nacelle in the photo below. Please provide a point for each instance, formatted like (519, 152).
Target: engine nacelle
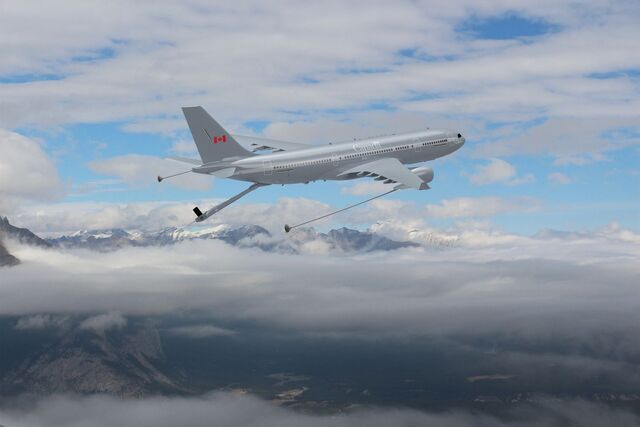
(424, 172)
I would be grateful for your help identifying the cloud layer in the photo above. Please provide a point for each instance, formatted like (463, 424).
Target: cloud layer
(141, 171)
(67, 218)
(224, 410)
(138, 67)
(490, 282)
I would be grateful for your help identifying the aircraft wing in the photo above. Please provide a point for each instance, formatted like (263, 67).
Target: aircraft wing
(256, 144)
(391, 169)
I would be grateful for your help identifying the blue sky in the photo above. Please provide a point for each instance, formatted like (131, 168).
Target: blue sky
(551, 132)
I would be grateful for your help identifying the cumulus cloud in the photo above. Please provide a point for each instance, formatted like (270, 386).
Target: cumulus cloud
(26, 172)
(104, 322)
(615, 230)
(140, 171)
(496, 170)
(480, 206)
(109, 63)
(67, 218)
(233, 410)
(499, 171)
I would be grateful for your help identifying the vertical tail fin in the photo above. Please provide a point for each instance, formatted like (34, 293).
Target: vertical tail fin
(213, 142)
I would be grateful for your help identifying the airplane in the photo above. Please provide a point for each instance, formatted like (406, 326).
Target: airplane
(243, 158)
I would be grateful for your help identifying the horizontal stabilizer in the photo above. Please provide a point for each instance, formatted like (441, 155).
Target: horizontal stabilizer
(185, 160)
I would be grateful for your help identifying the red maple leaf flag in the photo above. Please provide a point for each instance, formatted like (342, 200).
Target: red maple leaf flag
(221, 138)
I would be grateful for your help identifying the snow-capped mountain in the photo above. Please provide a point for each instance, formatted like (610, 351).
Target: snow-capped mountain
(342, 240)
(302, 240)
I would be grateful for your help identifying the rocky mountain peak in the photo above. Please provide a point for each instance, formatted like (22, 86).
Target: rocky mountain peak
(23, 235)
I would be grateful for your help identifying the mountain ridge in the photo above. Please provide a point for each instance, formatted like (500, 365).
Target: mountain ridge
(343, 240)
(304, 240)
(23, 235)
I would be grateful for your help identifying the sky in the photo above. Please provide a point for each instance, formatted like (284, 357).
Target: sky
(546, 94)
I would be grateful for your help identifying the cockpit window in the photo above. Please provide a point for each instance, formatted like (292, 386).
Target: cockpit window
(459, 136)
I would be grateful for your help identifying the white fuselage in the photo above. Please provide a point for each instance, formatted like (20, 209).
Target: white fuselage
(327, 162)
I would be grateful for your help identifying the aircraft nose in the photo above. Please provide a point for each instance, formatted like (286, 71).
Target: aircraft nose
(461, 139)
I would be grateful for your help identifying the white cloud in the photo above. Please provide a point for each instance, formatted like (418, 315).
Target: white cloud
(546, 288)
(570, 140)
(185, 147)
(480, 207)
(41, 321)
(137, 71)
(365, 188)
(315, 247)
(67, 218)
(26, 172)
(140, 171)
(615, 230)
(493, 280)
(499, 171)
(104, 322)
(496, 170)
(559, 178)
(230, 410)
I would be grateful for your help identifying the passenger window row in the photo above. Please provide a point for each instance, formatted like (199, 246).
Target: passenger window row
(356, 155)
